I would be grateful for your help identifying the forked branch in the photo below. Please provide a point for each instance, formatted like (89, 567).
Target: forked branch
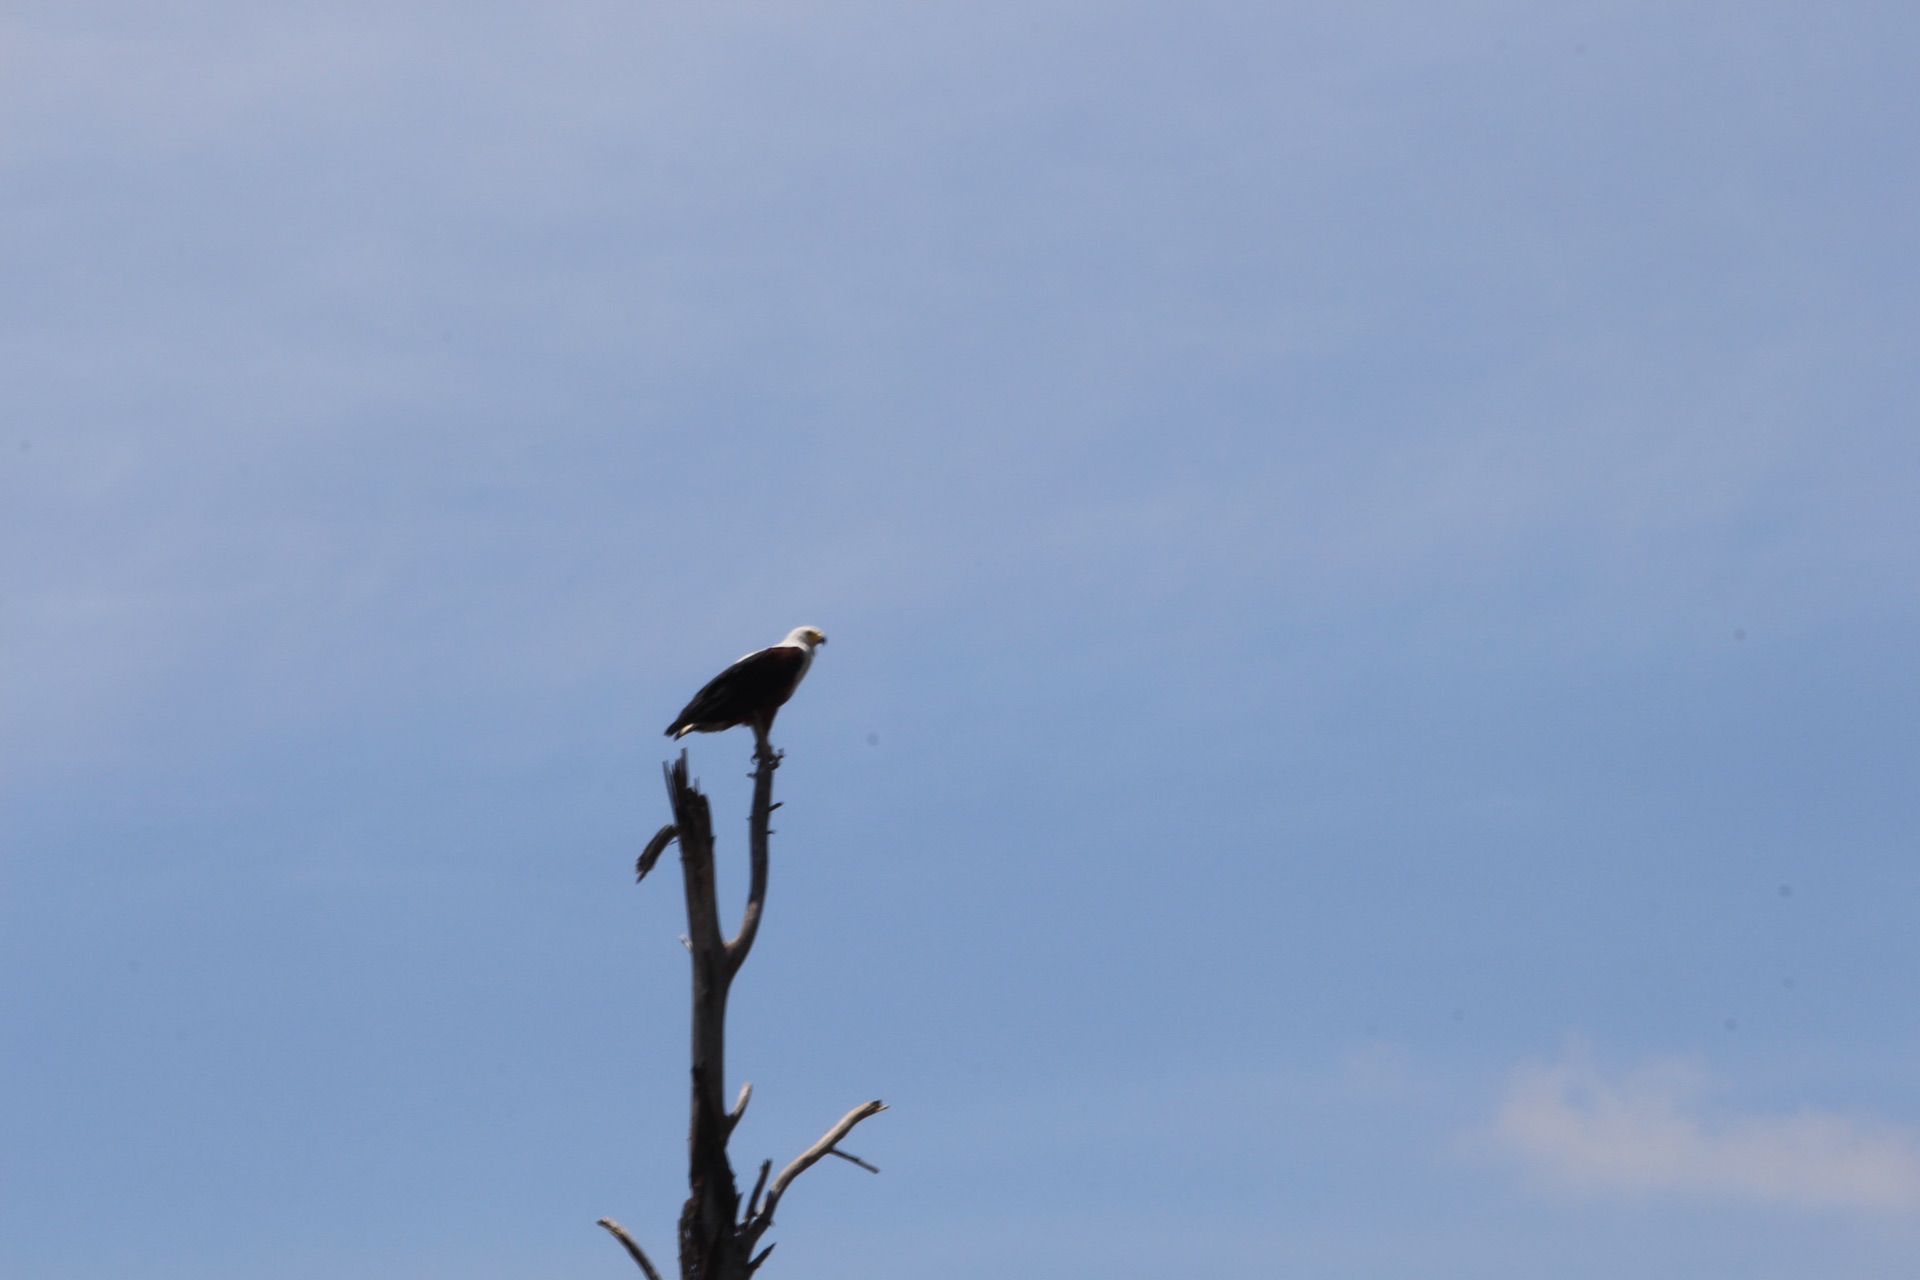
(718, 1238)
(813, 1155)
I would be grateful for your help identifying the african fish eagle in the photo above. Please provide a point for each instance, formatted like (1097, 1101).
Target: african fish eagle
(752, 690)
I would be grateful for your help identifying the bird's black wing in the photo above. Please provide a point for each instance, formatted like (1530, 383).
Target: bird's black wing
(762, 680)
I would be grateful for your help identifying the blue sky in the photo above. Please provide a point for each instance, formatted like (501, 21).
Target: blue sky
(1370, 553)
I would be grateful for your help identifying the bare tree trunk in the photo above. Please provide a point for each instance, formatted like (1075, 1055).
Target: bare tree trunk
(717, 1241)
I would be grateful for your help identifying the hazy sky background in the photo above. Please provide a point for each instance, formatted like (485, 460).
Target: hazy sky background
(1372, 560)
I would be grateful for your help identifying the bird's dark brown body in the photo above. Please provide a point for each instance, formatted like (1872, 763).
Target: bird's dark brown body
(752, 690)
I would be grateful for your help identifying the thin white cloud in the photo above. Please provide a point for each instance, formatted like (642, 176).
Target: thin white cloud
(1649, 1133)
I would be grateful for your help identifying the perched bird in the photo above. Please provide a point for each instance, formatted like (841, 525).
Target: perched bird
(752, 690)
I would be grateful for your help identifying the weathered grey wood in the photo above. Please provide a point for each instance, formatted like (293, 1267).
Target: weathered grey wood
(757, 1224)
(709, 1249)
(716, 1239)
(651, 854)
(634, 1251)
(765, 760)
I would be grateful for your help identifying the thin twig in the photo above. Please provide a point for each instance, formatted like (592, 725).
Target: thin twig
(633, 1250)
(759, 1185)
(766, 760)
(761, 1257)
(740, 1107)
(853, 1159)
(651, 854)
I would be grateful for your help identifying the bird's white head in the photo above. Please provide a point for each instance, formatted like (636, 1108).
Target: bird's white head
(806, 638)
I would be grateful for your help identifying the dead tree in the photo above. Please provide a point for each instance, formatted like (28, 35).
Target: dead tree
(718, 1241)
